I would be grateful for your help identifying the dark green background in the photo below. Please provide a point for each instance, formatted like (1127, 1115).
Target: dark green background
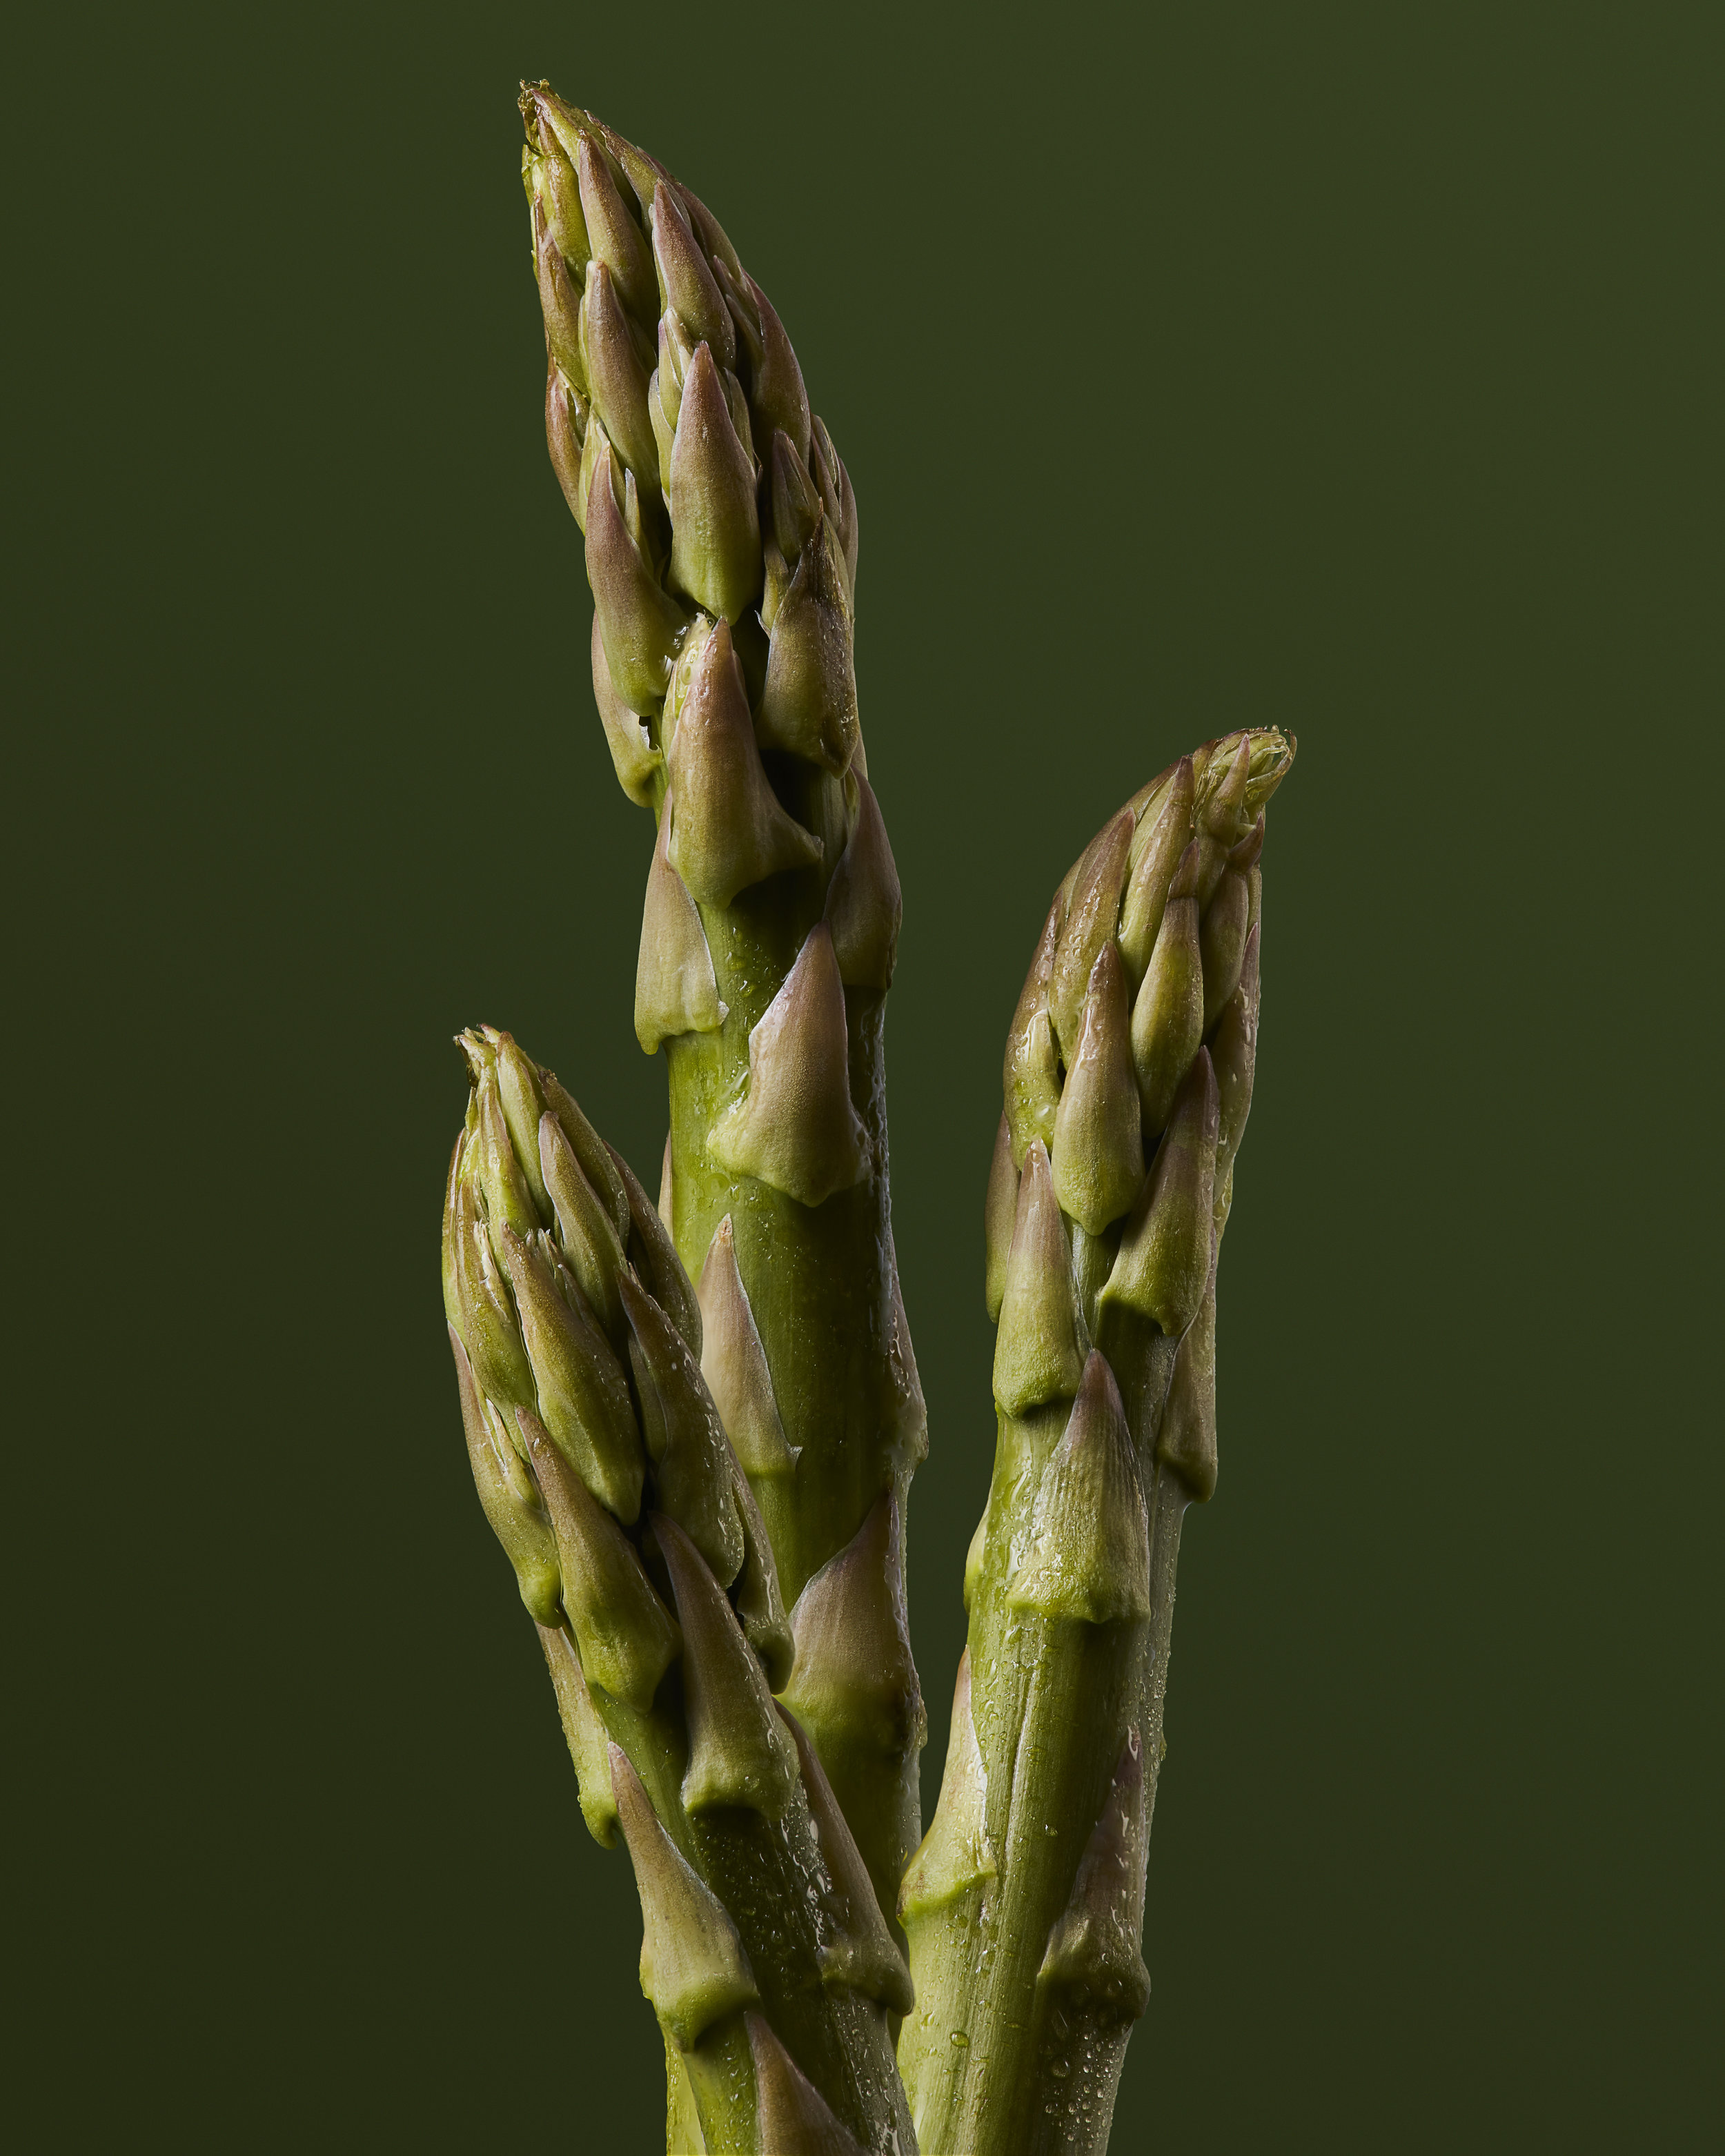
(1354, 367)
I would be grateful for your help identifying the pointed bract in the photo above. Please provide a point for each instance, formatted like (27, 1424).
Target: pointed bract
(777, 397)
(688, 281)
(1221, 940)
(740, 1752)
(1093, 1951)
(590, 1150)
(616, 378)
(626, 1635)
(565, 415)
(1167, 1017)
(795, 1128)
(1165, 1251)
(1186, 1441)
(999, 1217)
(691, 1461)
(1098, 1154)
(523, 1103)
(729, 831)
(637, 762)
(487, 1325)
(693, 1967)
(956, 1853)
(655, 1258)
(614, 235)
(734, 1362)
(796, 500)
(791, 2116)
(560, 304)
(864, 901)
(583, 1398)
(1153, 870)
(1036, 1358)
(641, 625)
(755, 1592)
(1235, 1052)
(510, 1500)
(1089, 1553)
(809, 706)
(676, 989)
(1031, 1077)
(861, 1955)
(585, 1230)
(583, 1732)
(1092, 910)
(854, 1671)
(715, 532)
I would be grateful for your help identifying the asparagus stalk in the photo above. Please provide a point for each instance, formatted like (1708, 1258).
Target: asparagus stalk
(640, 1554)
(721, 532)
(1128, 1077)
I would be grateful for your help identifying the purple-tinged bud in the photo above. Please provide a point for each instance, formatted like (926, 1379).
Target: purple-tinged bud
(560, 303)
(1167, 1017)
(636, 761)
(1092, 909)
(614, 235)
(777, 397)
(715, 531)
(688, 283)
(1031, 1076)
(1164, 1258)
(616, 378)
(1036, 1358)
(1098, 1156)
(641, 627)
(809, 706)
(1153, 871)
(729, 830)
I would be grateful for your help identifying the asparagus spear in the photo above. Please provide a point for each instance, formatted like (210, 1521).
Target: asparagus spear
(1128, 1077)
(640, 1554)
(721, 532)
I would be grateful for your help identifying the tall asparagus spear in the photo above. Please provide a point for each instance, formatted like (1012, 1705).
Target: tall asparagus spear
(1128, 1076)
(721, 548)
(641, 1556)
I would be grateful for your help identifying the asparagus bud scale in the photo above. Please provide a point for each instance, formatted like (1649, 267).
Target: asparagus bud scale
(692, 1425)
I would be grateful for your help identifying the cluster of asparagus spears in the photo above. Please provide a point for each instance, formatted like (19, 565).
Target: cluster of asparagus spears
(693, 1425)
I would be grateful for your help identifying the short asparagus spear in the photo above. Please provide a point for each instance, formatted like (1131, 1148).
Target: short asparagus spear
(602, 1465)
(720, 533)
(1128, 1076)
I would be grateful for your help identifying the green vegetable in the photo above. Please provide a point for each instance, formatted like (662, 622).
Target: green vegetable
(1128, 1079)
(601, 1464)
(721, 532)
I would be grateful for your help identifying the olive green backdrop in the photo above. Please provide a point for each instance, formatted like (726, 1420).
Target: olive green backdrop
(1351, 367)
